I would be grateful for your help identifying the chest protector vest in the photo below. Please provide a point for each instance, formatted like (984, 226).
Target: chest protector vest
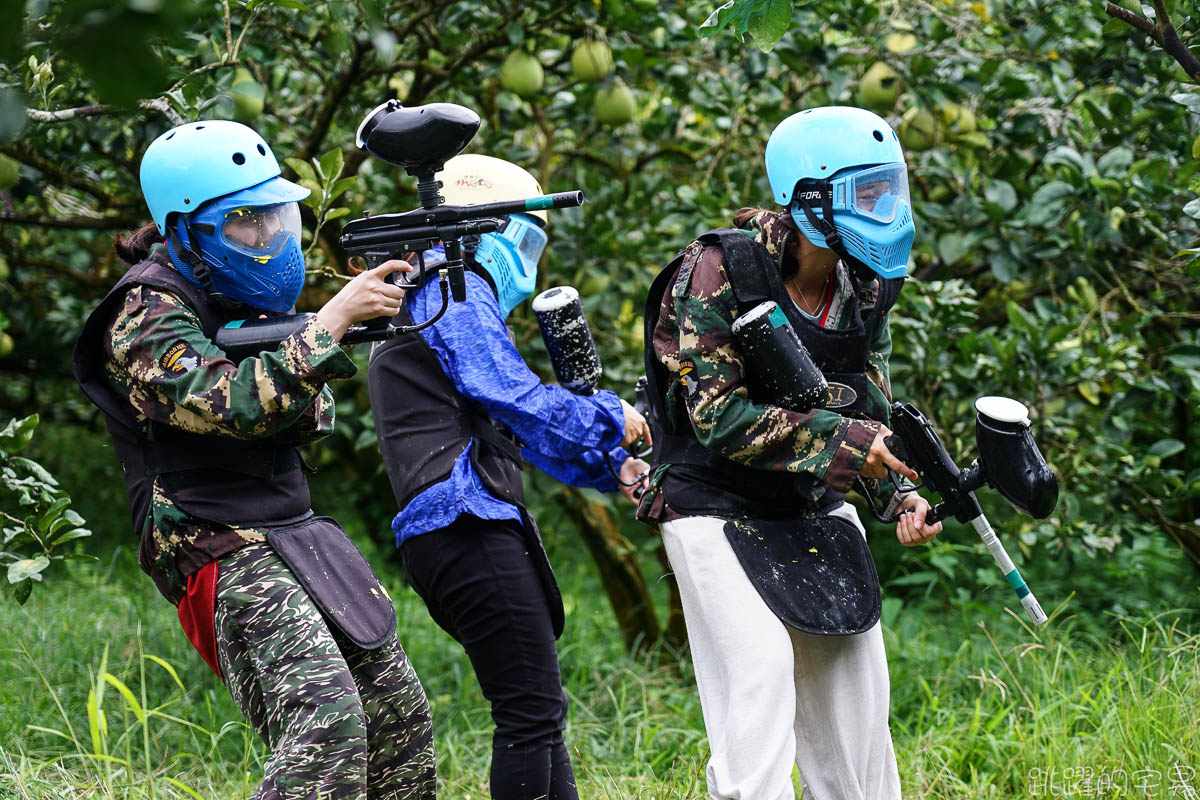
(703, 481)
(423, 425)
(216, 479)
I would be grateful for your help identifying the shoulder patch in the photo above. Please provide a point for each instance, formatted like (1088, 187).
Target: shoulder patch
(179, 358)
(686, 369)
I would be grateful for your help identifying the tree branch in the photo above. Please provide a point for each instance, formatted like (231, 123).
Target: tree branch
(1162, 32)
(152, 104)
(66, 114)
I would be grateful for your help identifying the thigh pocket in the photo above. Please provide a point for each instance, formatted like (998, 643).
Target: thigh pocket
(337, 578)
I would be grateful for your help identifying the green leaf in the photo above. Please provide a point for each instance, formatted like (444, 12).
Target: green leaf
(130, 700)
(331, 164)
(718, 19)
(1049, 204)
(341, 187)
(17, 433)
(1189, 99)
(1165, 448)
(1192, 209)
(334, 213)
(769, 23)
(27, 569)
(302, 169)
(51, 514)
(951, 248)
(1115, 163)
(37, 471)
(74, 533)
(170, 670)
(1185, 356)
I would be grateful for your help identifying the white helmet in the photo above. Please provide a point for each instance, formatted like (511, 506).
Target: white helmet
(472, 179)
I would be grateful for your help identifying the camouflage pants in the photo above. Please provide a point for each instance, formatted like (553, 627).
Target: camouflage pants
(341, 722)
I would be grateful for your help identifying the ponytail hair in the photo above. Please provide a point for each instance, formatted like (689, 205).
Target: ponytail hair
(748, 219)
(135, 247)
(745, 216)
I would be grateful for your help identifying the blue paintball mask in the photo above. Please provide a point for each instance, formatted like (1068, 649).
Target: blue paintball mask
(510, 256)
(865, 212)
(249, 241)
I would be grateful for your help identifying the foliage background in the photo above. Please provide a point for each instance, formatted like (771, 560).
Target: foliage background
(1048, 261)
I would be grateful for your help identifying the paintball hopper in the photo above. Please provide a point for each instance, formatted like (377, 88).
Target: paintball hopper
(1010, 460)
(568, 339)
(418, 138)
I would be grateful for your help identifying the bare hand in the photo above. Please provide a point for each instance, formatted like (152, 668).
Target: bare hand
(880, 459)
(367, 296)
(631, 470)
(911, 529)
(636, 427)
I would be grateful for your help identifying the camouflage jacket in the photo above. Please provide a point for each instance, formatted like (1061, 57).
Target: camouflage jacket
(173, 374)
(694, 341)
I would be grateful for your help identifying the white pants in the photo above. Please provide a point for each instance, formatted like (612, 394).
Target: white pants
(772, 695)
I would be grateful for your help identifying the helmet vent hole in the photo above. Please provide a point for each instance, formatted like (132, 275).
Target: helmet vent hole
(878, 136)
(824, 167)
(262, 151)
(187, 201)
(199, 127)
(239, 159)
(171, 135)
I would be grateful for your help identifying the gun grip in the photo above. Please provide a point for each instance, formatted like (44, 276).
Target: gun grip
(896, 445)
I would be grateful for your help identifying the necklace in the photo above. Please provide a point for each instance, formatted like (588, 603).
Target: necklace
(821, 296)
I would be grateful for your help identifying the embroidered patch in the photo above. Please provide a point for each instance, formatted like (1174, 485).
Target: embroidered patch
(179, 358)
(690, 386)
(840, 395)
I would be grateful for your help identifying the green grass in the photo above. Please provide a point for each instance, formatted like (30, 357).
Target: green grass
(981, 703)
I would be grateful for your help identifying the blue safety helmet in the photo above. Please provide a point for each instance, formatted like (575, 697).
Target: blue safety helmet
(236, 226)
(841, 173)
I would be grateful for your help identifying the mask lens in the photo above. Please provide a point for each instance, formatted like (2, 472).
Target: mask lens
(529, 239)
(262, 230)
(877, 192)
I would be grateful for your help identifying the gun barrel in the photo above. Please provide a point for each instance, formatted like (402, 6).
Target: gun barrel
(540, 203)
(410, 238)
(992, 542)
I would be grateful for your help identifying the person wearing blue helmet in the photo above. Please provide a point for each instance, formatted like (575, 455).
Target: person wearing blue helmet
(278, 601)
(767, 349)
(457, 414)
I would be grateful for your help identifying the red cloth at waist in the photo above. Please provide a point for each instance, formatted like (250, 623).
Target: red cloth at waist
(197, 613)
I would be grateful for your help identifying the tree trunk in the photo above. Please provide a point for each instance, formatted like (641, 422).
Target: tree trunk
(619, 570)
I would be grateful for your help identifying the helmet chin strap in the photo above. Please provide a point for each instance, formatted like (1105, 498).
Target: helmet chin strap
(824, 224)
(189, 252)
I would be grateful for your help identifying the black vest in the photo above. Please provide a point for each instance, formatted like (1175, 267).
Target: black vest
(424, 424)
(701, 481)
(212, 478)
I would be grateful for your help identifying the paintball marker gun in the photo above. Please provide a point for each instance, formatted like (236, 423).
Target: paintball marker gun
(1009, 462)
(421, 139)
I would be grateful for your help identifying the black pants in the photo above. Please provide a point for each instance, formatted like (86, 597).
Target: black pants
(480, 584)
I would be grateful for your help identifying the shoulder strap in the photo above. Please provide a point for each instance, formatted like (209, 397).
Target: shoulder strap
(747, 263)
(889, 292)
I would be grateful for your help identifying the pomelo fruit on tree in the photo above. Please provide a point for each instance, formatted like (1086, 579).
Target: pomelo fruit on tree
(880, 88)
(958, 119)
(591, 61)
(10, 172)
(248, 96)
(918, 129)
(522, 74)
(615, 106)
